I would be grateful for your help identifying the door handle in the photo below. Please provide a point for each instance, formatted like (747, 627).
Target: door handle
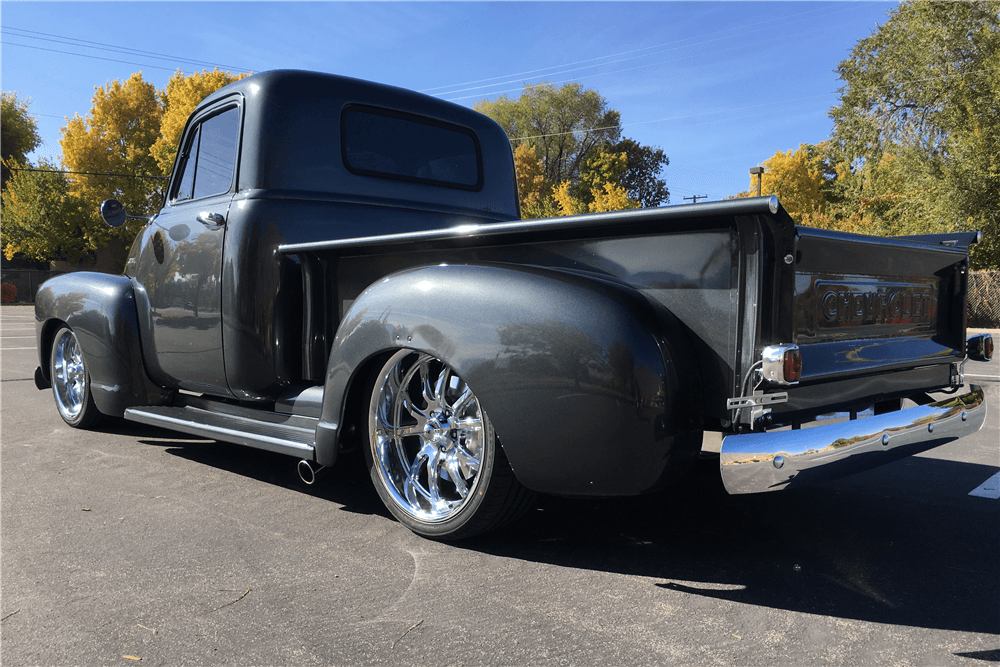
(211, 219)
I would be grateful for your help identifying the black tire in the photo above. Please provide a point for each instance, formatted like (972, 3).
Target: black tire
(71, 382)
(433, 455)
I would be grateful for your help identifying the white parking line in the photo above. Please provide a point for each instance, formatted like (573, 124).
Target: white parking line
(5, 349)
(992, 377)
(16, 336)
(988, 489)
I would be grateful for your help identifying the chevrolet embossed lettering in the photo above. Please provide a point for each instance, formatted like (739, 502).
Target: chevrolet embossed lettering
(850, 303)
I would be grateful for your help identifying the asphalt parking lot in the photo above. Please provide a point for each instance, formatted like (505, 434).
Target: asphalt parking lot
(135, 545)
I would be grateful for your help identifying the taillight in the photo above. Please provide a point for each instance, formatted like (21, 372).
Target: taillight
(782, 364)
(792, 364)
(980, 347)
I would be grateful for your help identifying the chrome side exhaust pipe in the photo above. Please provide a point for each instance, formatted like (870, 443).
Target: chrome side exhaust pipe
(309, 471)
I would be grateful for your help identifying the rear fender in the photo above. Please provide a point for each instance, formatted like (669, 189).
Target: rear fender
(100, 309)
(589, 386)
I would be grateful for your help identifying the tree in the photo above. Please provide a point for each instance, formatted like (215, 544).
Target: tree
(569, 127)
(180, 97)
(540, 199)
(18, 133)
(640, 178)
(924, 88)
(115, 138)
(599, 188)
(799, 178)
(883, 197)
(131, 127)
(42, 219)
(533, 189)
(564, 124)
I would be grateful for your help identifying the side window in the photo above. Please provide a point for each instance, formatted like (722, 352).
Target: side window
(210, 157)
(186, 188)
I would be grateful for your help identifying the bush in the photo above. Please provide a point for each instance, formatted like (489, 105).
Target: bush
(8, 293)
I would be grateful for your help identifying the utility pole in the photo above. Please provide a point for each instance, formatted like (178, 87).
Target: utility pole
(694, 198)
(759, 172)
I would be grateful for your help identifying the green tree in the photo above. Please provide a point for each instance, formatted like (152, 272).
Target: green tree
(569, 127)
(564, 124)
(924, 88)
(643, 165)
(18, 133)
(42, 219)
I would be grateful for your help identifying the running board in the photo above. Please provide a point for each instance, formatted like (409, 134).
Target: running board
(294, 436)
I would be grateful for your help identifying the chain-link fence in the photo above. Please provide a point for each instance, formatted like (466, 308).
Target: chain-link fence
(984, 299)
(26, 282)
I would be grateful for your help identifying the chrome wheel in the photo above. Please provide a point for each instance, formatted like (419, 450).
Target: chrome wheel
(71, 382)
(430, 440)
(69, 375)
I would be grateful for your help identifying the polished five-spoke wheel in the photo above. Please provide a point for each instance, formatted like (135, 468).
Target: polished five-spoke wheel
(71, 381)
(434, 457)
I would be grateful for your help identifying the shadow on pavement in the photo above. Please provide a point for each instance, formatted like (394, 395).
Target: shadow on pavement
(904, 547)
(345, 483)
(850, 550)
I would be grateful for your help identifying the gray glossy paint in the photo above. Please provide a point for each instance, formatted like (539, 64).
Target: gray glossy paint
(101, 311)
(292, 142)
(583, 379)
(179, 282)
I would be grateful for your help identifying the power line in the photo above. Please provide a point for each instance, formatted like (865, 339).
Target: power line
(980, 72)
(74, 41)
(85, 55)
(741, 47)
(561, 68)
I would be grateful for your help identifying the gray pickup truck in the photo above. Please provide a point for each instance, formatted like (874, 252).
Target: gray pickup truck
(341, 265)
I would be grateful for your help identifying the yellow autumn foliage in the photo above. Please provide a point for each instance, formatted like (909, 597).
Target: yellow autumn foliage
(611, 197)
(114, 138)
(180, 97)
(797, 178)
(540, 199)
(533, 189)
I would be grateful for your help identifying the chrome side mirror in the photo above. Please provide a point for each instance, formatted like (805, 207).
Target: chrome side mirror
(113, 212)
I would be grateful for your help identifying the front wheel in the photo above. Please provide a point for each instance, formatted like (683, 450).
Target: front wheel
(433, 455)
(71, 382)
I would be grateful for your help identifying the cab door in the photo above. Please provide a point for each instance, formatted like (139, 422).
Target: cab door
(180, 266)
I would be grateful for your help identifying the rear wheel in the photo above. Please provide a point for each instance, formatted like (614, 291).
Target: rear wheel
(71, 381)
(433, 455)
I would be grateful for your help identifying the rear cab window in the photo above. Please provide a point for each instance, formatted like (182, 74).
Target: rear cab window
(396, 145)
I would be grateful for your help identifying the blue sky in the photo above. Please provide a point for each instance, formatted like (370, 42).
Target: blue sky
(719, 86)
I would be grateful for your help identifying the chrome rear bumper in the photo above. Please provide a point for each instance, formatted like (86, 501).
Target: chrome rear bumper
(756, 462)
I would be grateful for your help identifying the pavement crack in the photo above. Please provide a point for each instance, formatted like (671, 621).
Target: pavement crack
(245, 593)
(400, 638)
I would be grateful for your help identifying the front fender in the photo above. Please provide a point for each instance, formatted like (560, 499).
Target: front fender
(581, 377)
(100, 309)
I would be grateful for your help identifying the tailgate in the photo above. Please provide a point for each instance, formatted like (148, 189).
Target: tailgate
(866, 305)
